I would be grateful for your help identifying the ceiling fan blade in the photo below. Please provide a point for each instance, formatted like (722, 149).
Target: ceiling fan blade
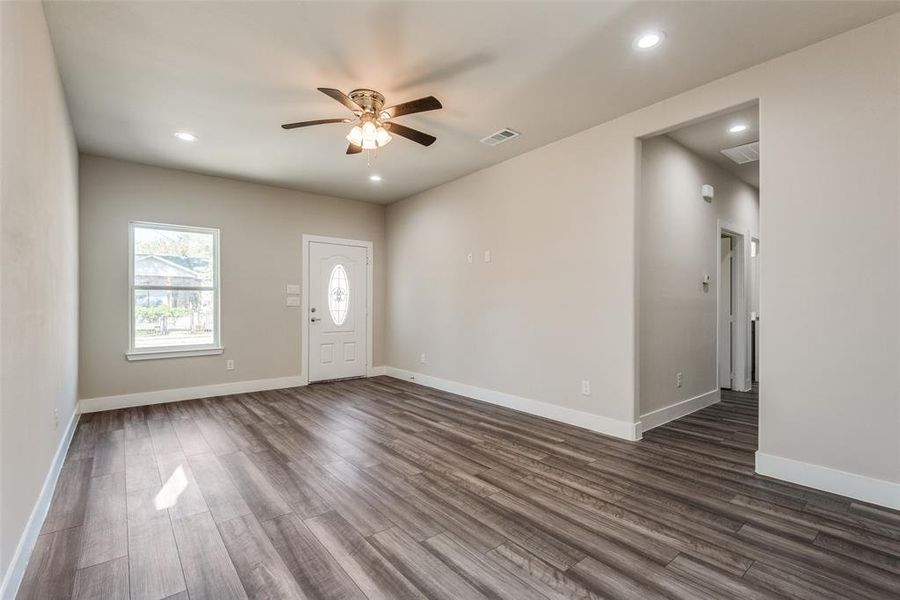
(354, 149)
(317, 122)
(413, 106)
(342, 98)
(411, 134)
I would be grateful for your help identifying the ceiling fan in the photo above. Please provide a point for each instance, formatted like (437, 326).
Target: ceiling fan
(373, 124)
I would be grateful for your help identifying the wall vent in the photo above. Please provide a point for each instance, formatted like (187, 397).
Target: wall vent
(743, 154)
(504, 135)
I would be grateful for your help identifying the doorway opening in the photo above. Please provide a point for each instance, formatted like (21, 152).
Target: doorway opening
(754, 310)
(734, 340)
(726, 311)
(698, 264)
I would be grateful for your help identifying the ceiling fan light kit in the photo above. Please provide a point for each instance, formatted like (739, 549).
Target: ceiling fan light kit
(373, 125)
(382, 137)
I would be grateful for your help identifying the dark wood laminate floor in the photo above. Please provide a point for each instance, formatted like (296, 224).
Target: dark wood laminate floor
(379, 488)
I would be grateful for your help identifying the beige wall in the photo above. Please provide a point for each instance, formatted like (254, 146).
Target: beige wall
(261, 228)
(678, 234)
(547, 311)
(38, 266)
(558, 303)
(830, 273)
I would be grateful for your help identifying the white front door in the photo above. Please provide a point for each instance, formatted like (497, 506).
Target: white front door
(337, 311)
(726, 312)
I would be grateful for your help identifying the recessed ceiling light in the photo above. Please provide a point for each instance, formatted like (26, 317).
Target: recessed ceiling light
(649, 40)
(374, 177)
(737, 128)
(185, 136)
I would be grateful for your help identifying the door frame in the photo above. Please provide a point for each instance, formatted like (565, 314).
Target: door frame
(304, 297)
(754, 237)
(740, 293)
(721, 306)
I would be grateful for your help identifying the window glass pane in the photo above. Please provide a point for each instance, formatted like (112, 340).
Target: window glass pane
(338, 295)
(173, 318)
(163, 257)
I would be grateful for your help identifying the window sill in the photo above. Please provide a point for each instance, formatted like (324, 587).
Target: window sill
(168, 353)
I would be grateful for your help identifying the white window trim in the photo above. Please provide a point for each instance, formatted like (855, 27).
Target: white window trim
(174, 351)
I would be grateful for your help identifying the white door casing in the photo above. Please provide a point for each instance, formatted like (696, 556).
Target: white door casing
(754, 301)
(740, 305)
(338, 294)
(726, 313)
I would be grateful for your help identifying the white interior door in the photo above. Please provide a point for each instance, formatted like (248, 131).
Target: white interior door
(337, 311)
(726, 312)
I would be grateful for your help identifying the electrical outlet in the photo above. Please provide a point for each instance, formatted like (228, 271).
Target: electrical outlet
(679, 379)
(292, 288)
(422, 358)
(469, 258)
(585, 387)
(229, 365)
(55, 418)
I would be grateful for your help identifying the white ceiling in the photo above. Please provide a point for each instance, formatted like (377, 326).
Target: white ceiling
(710, 136)
(232, 72)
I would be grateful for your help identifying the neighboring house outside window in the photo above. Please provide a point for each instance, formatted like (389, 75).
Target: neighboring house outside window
(174, 291)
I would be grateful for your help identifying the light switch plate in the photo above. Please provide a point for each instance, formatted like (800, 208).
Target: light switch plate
(487, 256)
(292, 289)
(293, 300)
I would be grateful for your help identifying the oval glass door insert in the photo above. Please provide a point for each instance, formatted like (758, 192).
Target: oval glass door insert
(338, 295)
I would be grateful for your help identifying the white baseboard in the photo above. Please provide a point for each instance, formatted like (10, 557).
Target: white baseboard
(860, 487)
(88, 405)
(570, 416)
(663, 415)
(190, 393)
(17, 565)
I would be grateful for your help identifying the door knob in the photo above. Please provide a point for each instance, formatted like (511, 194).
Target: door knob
(314, 319)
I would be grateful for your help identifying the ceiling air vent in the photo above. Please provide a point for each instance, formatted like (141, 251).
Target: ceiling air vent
(504, 135)
(743, 154)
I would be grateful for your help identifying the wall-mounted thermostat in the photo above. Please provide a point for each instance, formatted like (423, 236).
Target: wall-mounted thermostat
(707, 192)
